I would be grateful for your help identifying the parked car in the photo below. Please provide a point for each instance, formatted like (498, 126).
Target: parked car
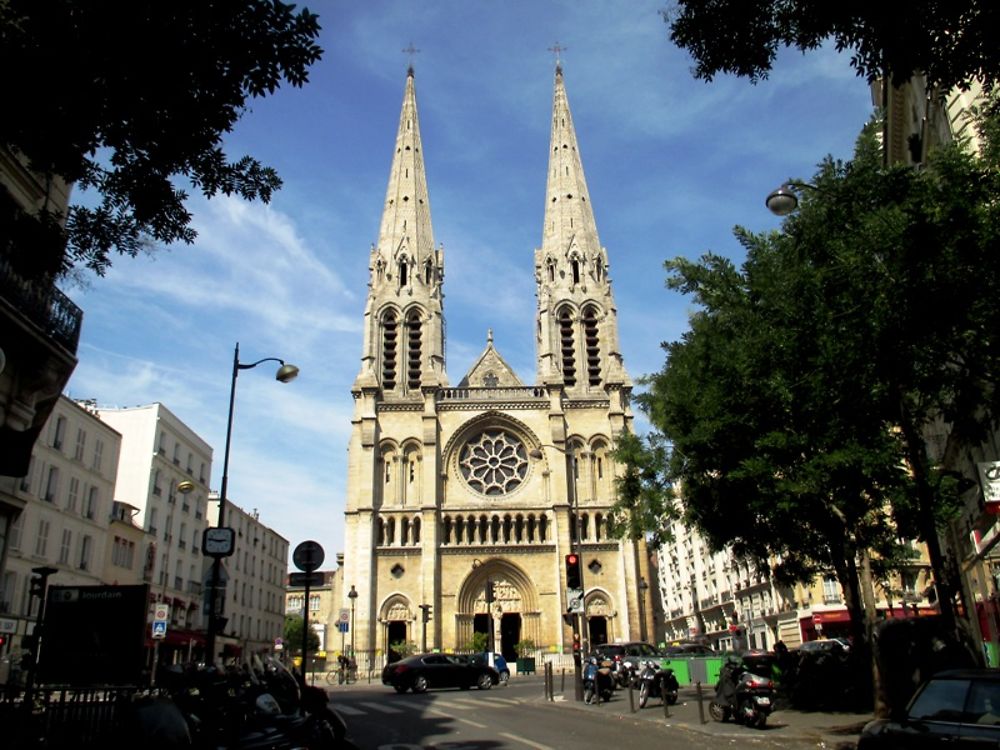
(824, 645)
(499, 664)
(957, 708)
(425, 671)
(689, 649)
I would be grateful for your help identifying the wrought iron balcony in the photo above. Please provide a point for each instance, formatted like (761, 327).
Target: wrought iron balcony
(44, 305)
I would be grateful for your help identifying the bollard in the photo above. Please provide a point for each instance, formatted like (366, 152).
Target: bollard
(562, 682)
(631, 698)
(663, 697)
(701, 707)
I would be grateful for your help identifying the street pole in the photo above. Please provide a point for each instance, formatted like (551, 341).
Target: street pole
(352, 595)
(285, 374)
(305, 632)
(581, 617)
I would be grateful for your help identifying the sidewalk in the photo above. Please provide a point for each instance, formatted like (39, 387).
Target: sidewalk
(834, 730)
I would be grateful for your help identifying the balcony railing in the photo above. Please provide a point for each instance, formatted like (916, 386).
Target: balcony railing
(43, 305)
(524, 393)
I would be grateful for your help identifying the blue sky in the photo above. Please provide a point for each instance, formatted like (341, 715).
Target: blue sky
(672, 164)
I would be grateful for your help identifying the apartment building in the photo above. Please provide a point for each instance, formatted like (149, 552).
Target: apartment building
(254, 608)
(164, 475)
(69, 520)
(326, 608)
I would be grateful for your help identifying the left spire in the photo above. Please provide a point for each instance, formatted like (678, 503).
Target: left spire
(406, 270)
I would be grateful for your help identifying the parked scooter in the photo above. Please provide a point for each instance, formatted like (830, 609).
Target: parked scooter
(746, 697)
(598, 681)
(249, 707)
(656, 681)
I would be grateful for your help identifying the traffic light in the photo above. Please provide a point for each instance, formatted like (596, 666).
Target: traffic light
(3, 641)
(573, 580)
(489, 592)
(576, 643)
(426, 610)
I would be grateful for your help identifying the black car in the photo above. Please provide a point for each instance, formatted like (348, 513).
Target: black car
(956, 709)
(424, 671)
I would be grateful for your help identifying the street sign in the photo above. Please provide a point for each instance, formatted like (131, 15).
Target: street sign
(161, 611)
(308, 556)
(343, 627)
(345, 615)
(279, 644)
(574, 601)
(159, 630)
(305, 579)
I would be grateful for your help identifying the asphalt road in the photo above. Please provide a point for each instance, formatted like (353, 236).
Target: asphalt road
(518, 717)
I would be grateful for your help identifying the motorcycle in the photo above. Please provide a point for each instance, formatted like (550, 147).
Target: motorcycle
(252, 706)
(746, 697)
(656, 681)
(624, 671)
(598, 682)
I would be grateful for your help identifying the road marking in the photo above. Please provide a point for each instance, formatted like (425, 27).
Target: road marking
(447, 715)
(349, 710)
(529, 743)
(380, 707)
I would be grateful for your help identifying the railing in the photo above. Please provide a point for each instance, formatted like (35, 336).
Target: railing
(44, 305)
(521, 393)
(61, 718)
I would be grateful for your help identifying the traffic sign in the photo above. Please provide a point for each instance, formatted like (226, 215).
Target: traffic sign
(574, 601)
(161, 611)
(343, 627)
(345, 615)
(308, 556)
(159, 629)
(305, 579)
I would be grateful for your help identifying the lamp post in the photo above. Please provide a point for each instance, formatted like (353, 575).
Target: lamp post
(217, 545)
(579, 618)
(353, 596)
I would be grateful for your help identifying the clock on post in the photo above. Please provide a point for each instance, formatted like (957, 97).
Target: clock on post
(218, 541)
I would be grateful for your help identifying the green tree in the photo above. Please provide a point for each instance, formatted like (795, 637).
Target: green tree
(478, 642)
(130, 101)
(799, 401)
(950, 41)
(293, 635)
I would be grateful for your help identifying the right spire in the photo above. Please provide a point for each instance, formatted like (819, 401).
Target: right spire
(577, 326)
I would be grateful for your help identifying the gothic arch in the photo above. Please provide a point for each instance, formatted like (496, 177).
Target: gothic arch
(396, 606)
(487, 420)
(497, 570)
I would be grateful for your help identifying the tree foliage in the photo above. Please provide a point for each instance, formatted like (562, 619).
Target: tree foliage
(799, 402)
(293, 635)
(950, 41)
(131, 101)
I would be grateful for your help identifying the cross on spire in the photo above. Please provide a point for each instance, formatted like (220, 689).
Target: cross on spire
(557, 49)
(410, 52)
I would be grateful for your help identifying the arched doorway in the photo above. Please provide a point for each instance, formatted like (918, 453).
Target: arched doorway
(512, 614)
(396, 618)
(598, 614)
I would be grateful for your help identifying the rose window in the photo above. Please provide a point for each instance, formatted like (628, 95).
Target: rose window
(494, 462)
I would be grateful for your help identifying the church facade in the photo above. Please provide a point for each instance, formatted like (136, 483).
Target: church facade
(464, 501)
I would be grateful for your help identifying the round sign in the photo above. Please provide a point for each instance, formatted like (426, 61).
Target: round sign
(308, 556)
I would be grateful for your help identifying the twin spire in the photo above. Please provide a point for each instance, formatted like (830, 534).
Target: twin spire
(407, 271)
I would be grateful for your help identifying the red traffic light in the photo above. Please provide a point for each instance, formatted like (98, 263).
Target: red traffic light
(571, 559)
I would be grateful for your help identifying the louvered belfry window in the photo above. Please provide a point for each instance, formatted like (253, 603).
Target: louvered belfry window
(593, 346)
(413, 350)
(566, 343)
(390, 345)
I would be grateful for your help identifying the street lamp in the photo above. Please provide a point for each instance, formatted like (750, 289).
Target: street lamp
(784, 199)
(352, 595)
(579, 618)
(221, 545)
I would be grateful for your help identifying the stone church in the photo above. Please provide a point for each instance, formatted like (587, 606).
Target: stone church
(490, 483)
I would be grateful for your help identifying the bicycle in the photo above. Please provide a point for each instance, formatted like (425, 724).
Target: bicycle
(340, 675)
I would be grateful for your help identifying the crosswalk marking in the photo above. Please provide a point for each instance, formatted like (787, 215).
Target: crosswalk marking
(349, 710)
(381, 708)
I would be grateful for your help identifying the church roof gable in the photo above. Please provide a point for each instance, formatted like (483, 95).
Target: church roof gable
(490, 370)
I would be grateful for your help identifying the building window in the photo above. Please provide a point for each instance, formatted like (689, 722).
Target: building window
(494, 462)
(15, 532)
(26, 479)
(42, 540)
(177, 454)
(86, 543)
(98, 455)
(831, 590)
(73, 494)
(93, 500)
(52, 484)
(57, 434)
(64, 546)
(593, 345)
(161, 446)
(157, 487)
(81, 444)
(314, 602)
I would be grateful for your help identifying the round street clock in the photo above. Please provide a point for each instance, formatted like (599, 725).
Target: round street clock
(218, 541)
